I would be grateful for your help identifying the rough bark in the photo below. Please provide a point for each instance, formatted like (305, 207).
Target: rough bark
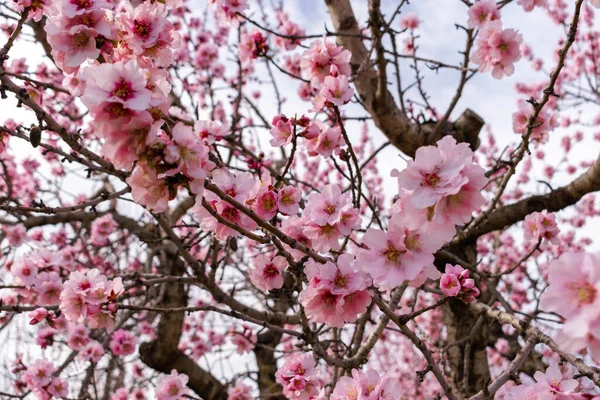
(163, 355)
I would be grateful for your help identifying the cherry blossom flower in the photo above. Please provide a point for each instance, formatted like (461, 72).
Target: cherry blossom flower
(120, 84)
(455, 282)
(147, 189)
(299, 377)
(482, 12)
(335, 293)
(267, 273)
(172, 387)
(122, 342)
(497, 49)
(409, 21)
(541, 225)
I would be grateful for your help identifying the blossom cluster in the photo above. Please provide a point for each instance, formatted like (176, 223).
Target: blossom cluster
(440, 189)
(336, 294)
(541, 225)
(91, 297)
(497, 49)
(172, 387)
(299, 377)
(366, 385)
(39, 378)
(455, 282)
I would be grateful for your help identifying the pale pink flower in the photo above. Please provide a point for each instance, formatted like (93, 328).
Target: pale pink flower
(16, 235)
(58, 388)
(172, 387)
(101, 228)
(326, 142)
(240, 391)
(336, 293)
(123, 342)
(298, 377)
(190, 155)
(317, 61)
(326, 207)
(395, 256)
(497, 49)
(554, 380)
(39, 374)
(449, 285)
(366, 385)
(293, 227)
(265, 204)
(482, 12)
(335, 91)
(120, 83)
(574, 282)
(92, 351)
(528, 5)
(541, 225)
(409, 21)
(288, 28)
(432, 175)
(38, 315)
(282, 131)
(147, 189)
(544, 123)
(73, 8)
(252, 45)
(267, 273)
(288, 199)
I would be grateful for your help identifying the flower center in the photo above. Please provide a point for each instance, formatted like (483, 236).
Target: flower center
(330, 209)
(123, 90)
(141, 28)
(392, 254)
(340, 280)
(271, 270)
(431, 180)
(81, 39)
(586, 293)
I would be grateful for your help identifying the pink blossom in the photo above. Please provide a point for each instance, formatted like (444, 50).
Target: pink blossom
(395, 256)
(328, 140)
(58, 388)
(335, 91)
(39, 374)
(317, 61)
(190, 156)
(574, 282)
(432, 175)
(123, 342)
(92, 351)
(38, 315)
(541, 225)
(240, 391)
(368, 385)
(16, 235)
(336, 293)
(555, 382)
(172, 387)
(482, 12)
(409, 21)
(147, 189)
(288, 199)
(299, 377)
(455, 282)
(497, 49)
(120, 83)
(101, 228)
(282, 131)
(544, 123)
(528, 5)
(265, 204)
(267, 273)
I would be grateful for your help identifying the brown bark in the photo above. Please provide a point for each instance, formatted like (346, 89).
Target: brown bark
(163, 355)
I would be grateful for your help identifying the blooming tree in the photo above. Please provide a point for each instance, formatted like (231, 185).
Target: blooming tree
(206, 201)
